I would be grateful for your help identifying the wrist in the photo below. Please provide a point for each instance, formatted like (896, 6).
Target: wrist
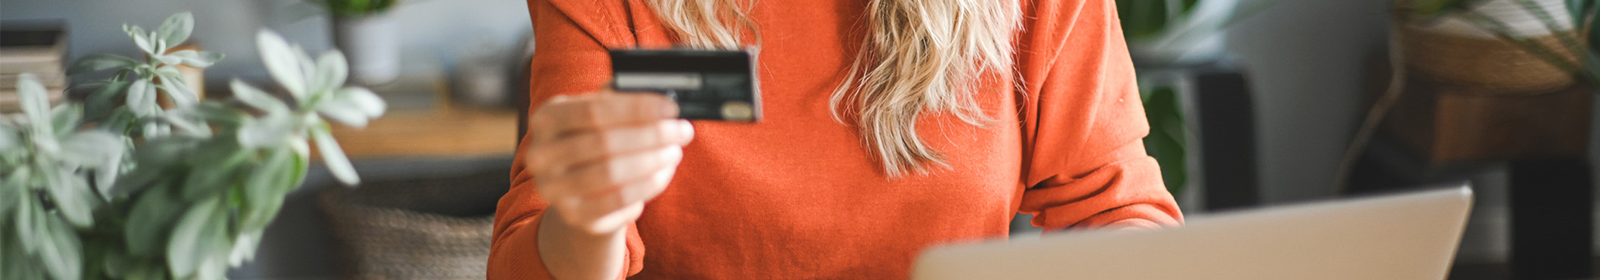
(574, 253)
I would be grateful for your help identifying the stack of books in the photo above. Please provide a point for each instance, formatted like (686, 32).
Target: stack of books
(38, 48)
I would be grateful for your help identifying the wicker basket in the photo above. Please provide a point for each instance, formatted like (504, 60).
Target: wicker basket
(434, 229)
(1483, 65)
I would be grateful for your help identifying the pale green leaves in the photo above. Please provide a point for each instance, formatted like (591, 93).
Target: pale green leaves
(193, 58)
(318, 87)
(100, 62)
(53, 154)
(255, 98)
(352, 107)
(332, 69)
(61, 251)
(51, 241)
(72, 197)
(138, 83)
(267, 131)
(173, 31)
(142, 98)
(35, 102)
(332, 155)
(282, 62)
(357, 7)
(176, 28)
(200, 243)
(9, 140)
(148, 222)
(192, 193)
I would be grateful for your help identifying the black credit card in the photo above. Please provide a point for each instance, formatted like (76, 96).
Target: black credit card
(707, 84)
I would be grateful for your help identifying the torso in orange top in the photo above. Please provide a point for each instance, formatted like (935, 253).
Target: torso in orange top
(797, 196)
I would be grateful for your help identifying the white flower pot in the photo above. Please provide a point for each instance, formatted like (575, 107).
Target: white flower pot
(372, 44)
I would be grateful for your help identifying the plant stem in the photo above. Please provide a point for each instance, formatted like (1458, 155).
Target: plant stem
(1375, 115)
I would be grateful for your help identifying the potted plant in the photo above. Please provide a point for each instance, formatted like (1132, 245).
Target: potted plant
(116, 187)
(1166, 38)
(369, 33)
(1493, 47)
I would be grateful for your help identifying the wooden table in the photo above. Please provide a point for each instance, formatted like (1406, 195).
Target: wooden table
(443, 132)
(423, 121)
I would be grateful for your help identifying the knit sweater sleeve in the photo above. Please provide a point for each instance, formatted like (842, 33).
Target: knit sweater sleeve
(570, 58)
(1085, 164)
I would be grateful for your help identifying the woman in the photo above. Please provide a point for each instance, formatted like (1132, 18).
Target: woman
(889, 126)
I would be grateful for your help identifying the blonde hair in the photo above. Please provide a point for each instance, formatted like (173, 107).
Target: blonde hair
(918, 55)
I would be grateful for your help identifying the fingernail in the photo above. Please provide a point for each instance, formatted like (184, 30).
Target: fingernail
(686, 130)
(669, 109)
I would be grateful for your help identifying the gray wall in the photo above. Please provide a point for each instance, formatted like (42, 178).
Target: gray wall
(1305, 58)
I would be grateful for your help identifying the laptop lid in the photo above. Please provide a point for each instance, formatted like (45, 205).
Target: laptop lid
(1404, 236)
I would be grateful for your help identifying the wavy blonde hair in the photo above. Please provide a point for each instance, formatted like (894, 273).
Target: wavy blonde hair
(918, 56)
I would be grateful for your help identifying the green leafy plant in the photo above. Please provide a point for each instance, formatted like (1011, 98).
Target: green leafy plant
(121, 188)
(356, 7)
(1168, 141)
(1164, 32)
(1159, 34)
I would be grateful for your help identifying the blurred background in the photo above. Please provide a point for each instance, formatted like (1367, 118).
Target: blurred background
(1253, 103)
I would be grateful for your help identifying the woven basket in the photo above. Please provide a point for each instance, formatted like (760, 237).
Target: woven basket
(1488, 66)
(436, 229)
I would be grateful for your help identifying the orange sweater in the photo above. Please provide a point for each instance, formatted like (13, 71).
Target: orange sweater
(796, 196)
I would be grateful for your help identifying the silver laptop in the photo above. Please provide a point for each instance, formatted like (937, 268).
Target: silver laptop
(1405, 236)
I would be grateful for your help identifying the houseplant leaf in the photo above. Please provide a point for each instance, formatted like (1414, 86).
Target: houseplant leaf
(144, 42)
(332, 70)
(190, 245)
(353, 106)
(215, 165)
(91, 148)
(61, 252)
(35, 103)
(265, 185)
(176, 28)
(142, 98)
(178, 91)
(244, 249)
(31, 224)
(102, 98)
(1167, 141)
(9, 139)
(334, 157)
(155, 159)
(72, 197)
(12, 192)
(64, 119)
(267, 131)
(149, 221)
(281, 61)
(99, 62)
(256, 98)
(196, 59)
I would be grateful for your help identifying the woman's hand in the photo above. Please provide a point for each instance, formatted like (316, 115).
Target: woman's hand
(597, 158)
